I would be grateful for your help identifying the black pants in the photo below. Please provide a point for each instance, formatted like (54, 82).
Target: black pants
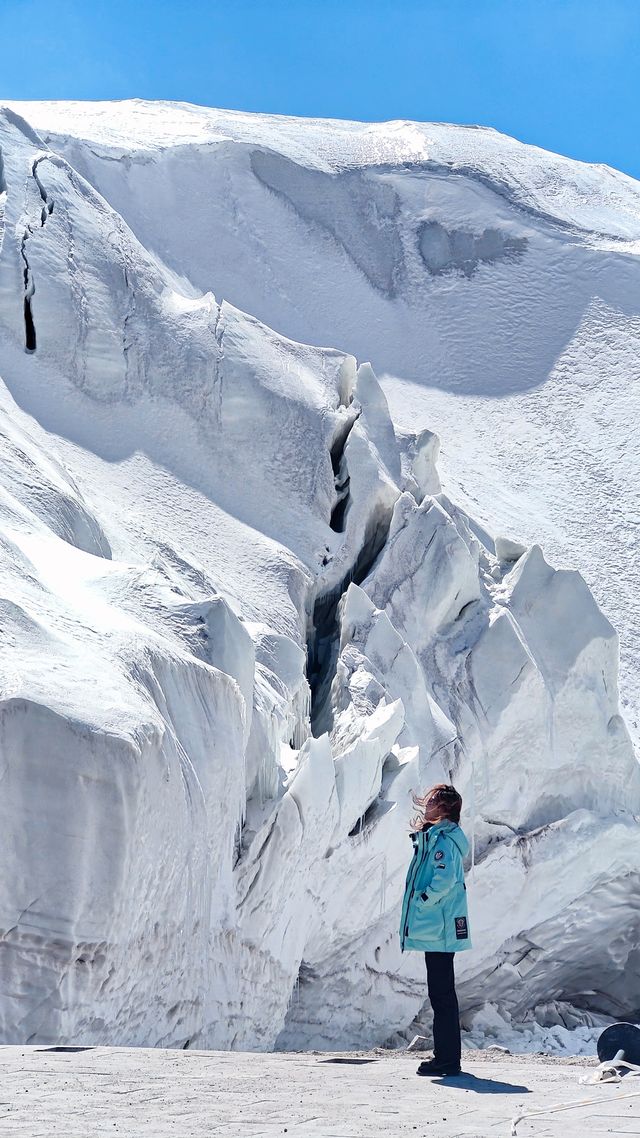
(442, 994)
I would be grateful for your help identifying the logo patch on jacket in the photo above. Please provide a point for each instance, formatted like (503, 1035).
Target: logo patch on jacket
(461, 928)
(439, 855)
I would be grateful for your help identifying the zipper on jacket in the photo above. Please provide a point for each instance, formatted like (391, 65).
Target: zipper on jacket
(418, 866)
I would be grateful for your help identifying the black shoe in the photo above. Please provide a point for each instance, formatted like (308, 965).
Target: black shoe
(433, 1067)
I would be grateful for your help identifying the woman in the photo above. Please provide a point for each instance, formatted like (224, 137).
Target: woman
(434, 915)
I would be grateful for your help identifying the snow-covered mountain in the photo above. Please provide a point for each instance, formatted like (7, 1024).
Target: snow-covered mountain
(241, 620)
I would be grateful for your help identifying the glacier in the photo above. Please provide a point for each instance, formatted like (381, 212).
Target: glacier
(248, 603)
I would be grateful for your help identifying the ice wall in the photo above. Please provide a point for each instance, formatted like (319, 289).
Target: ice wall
(494, 286)
(240, 623)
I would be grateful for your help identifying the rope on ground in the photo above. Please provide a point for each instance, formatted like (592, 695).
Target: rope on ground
(624, 1039)
(566, 1106)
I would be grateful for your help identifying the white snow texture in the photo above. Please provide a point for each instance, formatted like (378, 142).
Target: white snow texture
(241, 620)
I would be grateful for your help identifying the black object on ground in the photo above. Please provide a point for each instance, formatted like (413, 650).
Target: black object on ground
(618, 1037)
(61, 1048)
(341, 1059)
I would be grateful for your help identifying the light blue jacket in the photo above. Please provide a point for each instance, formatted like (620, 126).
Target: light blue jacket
(434, 910)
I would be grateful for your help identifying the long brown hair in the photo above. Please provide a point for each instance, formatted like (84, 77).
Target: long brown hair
(442, 795)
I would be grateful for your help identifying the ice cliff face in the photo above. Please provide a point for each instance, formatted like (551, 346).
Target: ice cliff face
(241, 621)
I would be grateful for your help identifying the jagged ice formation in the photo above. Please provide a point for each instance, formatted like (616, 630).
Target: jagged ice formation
(241, 619)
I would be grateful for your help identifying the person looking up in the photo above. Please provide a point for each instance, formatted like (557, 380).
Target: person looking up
(434, 917)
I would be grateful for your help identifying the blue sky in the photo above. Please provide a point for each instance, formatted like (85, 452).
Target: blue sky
(564, 74)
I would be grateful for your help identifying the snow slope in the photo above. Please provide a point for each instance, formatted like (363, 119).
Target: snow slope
(240, 618)
(494, 287)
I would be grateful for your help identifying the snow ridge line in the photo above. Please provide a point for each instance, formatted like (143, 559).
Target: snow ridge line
(127, 340)
(509, 193)
(218, 335)
(3, 195)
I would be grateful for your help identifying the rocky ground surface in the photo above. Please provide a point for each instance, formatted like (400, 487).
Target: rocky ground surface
(186, 1094)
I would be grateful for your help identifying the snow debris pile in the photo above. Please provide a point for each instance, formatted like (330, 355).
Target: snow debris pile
(554, 1028)
(242, 621)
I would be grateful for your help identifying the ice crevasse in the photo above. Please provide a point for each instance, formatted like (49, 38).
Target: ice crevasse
(241, 621)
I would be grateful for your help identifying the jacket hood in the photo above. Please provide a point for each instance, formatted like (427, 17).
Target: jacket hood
(453, 831)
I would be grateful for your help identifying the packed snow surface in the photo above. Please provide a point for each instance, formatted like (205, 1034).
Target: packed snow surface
(241, 617)
(158, 1094)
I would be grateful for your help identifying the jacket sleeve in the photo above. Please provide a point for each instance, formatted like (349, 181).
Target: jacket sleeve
(447, 871)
